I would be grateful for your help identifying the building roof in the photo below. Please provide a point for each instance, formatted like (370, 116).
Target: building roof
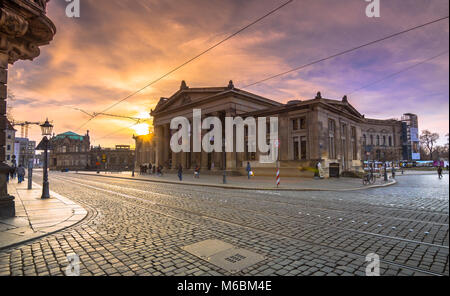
(70, 135)
(9, 126)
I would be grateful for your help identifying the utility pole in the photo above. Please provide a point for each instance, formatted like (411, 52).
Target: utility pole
(30, 174)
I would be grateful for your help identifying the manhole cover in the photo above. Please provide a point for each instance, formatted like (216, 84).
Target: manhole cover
(207, 248)
(224, 255)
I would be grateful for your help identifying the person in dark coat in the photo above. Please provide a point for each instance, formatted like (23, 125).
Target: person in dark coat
(180, 172)
(439, 172)
(249, 169)
(20, 174)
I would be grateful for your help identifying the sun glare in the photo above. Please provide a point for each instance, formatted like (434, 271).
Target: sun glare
(143, 115)
(142, 129)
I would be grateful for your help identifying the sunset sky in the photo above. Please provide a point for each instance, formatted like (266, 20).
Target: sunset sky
(118, 46)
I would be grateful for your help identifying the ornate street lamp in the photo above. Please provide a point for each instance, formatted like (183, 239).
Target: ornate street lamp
(46, 131)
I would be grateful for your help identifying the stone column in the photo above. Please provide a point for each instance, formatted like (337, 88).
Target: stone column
(3, 96)
(159, 145)
(23, 28)
(7, 206)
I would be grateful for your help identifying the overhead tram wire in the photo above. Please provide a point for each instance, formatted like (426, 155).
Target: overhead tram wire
(344, 52)
(115, 132)
(398, 72)
(191, 60)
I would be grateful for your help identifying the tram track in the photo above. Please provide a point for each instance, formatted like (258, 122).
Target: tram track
(206, 216)
(288, 216)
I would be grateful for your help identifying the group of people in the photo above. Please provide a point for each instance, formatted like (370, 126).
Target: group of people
(151, 169)
(180, 172)
(16, 171)
(197, 171)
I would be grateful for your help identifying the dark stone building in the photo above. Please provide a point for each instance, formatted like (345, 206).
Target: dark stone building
(119, 159)
(70, 151)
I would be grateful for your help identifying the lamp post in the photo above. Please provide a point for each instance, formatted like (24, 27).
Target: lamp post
(384, 158)
(135, 156)
(46, 131)
(224, 155)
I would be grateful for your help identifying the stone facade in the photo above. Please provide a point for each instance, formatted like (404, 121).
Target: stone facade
(10, 134)
(25, 151)
(331, 132)
(145, 152)
(70, 151)
(119, 159)
(23, 28)
(73, 152)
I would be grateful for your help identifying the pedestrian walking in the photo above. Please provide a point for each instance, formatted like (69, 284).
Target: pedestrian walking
(393, 172)
(150, 168)
(319, 170)
(20, 174)
(159, 171)
(439, 172)
(197, 172)
(13, 172)
(249, 169)
(180, 172)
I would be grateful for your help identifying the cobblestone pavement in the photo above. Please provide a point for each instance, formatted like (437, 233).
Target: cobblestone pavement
(139, 228)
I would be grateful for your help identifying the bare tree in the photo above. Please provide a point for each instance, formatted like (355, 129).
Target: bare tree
(428, 140)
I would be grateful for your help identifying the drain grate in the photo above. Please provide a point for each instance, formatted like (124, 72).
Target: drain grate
(235, 258)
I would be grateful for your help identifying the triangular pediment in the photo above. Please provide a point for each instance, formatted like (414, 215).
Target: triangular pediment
(183, 98)
(345, 107)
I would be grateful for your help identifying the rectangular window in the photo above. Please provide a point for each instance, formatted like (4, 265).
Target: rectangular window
(303, 123)
(8, 157)
(354, 144)
(344, 149)
(331, 139)
(8, 148)
(303, 148)
(295, 124)
(9, 136)
(296, 152)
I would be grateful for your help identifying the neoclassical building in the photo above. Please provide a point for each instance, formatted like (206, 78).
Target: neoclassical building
(331, 132)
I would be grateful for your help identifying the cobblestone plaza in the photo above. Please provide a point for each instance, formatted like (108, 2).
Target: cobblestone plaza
(142, 228)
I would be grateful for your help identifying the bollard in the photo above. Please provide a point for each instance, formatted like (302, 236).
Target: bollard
(30, 175)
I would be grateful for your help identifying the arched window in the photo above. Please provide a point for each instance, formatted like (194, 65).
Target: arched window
(378, 140)
(364, 140)
(390, 141)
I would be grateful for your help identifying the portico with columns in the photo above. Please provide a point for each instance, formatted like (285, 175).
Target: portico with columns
(219, 102)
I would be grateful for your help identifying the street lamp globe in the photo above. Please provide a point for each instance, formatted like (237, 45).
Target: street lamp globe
(46, 128)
